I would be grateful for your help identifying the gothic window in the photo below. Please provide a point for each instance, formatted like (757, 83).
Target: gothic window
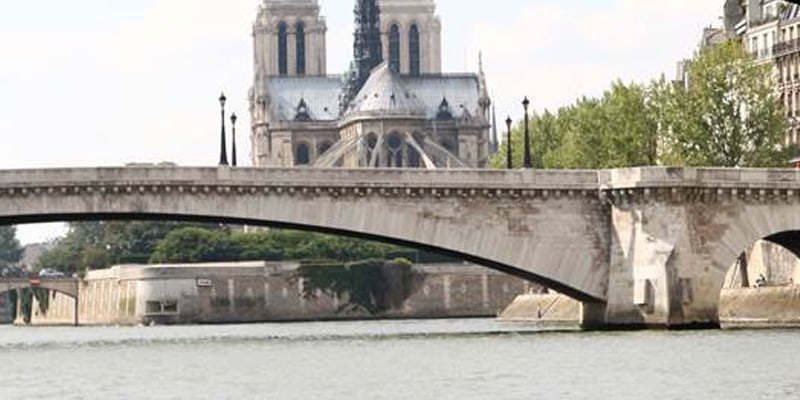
(372, 144)
(283, 49)
(302, 154)
(394, 49)
(414, 51)
(301, 48)
(395, 144)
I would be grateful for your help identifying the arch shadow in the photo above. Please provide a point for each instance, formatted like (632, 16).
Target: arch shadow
(134, 216)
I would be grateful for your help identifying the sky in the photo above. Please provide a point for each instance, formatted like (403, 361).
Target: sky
(107, 82)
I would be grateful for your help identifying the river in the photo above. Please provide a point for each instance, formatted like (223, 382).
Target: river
(447, 359)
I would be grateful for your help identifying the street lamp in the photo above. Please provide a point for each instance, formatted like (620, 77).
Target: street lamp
(233, 139)
(223, 154)
(528, 158)
(509, 151)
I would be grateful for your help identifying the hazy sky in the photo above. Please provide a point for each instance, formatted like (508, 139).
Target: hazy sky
(107, 82)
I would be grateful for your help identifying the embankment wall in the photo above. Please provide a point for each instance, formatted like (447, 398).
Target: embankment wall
(244, 293)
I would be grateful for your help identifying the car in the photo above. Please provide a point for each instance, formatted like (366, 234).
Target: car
(51, 274)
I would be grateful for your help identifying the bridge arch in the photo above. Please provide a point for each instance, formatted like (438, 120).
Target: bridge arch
(479, 216)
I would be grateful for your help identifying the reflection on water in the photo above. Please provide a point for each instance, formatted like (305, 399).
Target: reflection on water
(454, 359)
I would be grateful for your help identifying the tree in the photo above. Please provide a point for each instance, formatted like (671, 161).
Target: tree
(190, 245)
(10, 249)
(726, 115)
(614, 131)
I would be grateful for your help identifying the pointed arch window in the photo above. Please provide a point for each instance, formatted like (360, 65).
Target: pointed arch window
(283, 49)
(300, 30)
(394, 49)
(303, 154)
(414, 51)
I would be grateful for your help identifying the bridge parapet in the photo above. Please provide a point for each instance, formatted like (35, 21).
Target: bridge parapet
(698, 177)
(335, 182)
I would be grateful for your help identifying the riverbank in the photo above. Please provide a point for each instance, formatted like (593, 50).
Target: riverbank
(766, 307)
(230, 293)
(544, 309)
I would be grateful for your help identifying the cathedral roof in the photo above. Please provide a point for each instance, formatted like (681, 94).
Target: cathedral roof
(426, 92)
(320, 93)
(384, 93)
(461, 92)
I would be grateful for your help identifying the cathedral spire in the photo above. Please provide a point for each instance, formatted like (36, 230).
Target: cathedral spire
(367, 49)
(484, 101)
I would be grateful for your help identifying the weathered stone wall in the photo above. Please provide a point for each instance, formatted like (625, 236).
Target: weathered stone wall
(676, 232)
(549, 309)
(760, 307)
(250, 293)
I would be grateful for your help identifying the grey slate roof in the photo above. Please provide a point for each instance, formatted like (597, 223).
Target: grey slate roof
(321, 94)
(461, 91)
(384, 93)
(425, 92)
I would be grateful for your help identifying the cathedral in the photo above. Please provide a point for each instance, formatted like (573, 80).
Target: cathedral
(395, 108)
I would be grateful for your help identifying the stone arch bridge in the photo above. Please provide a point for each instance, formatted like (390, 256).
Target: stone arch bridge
(640, 247)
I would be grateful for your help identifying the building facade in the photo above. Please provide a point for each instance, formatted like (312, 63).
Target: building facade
(408, 114)
(770, 30)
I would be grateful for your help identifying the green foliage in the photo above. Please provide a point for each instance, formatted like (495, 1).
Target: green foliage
(616, 130)
(193, 245)
(189, 245)
(26, 296)
(371, 286)
(10, 249)
(96, 245)
(726, 116)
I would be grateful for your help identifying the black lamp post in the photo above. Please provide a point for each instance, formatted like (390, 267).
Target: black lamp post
(509, 151)
(528, 158)
(223, 154)
(233, 139)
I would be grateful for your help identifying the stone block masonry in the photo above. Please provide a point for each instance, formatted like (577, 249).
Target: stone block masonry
(262, 292)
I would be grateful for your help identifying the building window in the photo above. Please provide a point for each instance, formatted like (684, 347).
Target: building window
(394, 49)
(302, 155)
(372, 149)
(301, 48)
(395, 144)
(283, 49)
(414, 51)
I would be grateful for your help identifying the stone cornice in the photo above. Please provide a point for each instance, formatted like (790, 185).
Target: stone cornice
(615, 186)
(332, 183)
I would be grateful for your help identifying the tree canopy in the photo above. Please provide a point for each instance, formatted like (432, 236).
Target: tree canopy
(725, 115)
(10, 248)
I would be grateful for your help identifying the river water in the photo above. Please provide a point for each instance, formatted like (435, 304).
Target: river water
(452, 359)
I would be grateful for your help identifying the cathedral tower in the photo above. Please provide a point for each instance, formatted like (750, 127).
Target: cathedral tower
(289, 39)
(412, 36)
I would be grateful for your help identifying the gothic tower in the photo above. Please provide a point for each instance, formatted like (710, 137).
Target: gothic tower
(289, 38)
(412, 36)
